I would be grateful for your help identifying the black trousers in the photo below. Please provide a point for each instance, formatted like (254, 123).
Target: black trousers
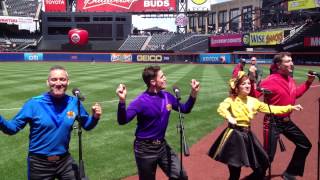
(286, 127)
(257, 174)
(149, 155)
(40, 168)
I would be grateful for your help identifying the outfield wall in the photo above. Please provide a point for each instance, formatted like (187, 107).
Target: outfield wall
(203, 58)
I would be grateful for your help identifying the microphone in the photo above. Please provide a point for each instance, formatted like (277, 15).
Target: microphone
(76, 92)
(314, 73)
(263, 90)
(176, 91)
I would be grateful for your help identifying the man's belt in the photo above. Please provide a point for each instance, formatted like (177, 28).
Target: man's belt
(151, 141)
(50, 158)
(282, 119)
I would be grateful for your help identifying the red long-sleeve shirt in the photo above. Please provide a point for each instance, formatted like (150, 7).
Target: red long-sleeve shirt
(284, 90)
(236, 69)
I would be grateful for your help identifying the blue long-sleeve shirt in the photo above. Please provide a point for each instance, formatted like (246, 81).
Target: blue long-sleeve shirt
(50, 121)
(152, 111)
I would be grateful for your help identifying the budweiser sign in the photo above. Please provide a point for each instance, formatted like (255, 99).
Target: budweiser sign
(126, 5)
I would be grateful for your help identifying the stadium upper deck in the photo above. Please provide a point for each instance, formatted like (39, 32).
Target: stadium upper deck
(251, 23)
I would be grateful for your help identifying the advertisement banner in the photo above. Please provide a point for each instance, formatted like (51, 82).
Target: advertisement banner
(33, 56)
(55, 5)
(215, 58)
(266, 38)
(149, 58)
(121, 57)
(226, 40)
(26, 23)
(126, 5)
(4, 56)
(311, 41)
(198, 5)
(85, 57)
(302, 4)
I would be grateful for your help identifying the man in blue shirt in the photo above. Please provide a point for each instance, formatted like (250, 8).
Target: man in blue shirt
(51, 116)
(152, 109)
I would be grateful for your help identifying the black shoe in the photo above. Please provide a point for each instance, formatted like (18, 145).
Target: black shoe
(254, 176)
(287, 176)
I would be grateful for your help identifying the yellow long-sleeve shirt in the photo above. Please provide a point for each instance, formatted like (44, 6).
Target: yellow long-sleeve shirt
(243, 109)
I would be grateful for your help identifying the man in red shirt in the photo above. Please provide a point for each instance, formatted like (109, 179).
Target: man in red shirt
(284, 92)
(238, 67)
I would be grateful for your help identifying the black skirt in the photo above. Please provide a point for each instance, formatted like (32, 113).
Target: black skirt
(238, 148)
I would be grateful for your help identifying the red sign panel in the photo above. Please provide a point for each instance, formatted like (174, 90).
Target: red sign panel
(126, 5)
(226, 40)
(55, 5)
(312, 41)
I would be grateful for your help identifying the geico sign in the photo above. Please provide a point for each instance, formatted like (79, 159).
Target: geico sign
(156, 3)
(151, 58)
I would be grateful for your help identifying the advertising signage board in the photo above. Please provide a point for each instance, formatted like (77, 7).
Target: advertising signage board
(126, 5)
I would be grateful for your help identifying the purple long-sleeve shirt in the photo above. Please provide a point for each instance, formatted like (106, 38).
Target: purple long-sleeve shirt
(152, 111)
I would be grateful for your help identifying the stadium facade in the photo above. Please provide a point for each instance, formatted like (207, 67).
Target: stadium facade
(238, 27)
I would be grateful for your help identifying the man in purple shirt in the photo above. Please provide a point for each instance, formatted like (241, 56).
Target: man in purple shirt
(152, 109)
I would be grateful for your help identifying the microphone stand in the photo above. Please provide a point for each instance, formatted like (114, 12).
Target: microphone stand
(272, 123)
(81, 173)
(318, 163)
(183, 144)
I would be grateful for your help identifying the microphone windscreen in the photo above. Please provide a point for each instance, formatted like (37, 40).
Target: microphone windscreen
(175, 88)
(75, 91)
(312, 72)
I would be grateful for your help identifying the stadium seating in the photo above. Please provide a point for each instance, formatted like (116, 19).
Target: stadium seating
(296, 32)
(1, 8)
(176, 39)
(22, 8)
(133, 43)
(201, 46)
(157, 41)
(189, 42)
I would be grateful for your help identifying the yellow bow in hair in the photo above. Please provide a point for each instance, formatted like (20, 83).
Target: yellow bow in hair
(233, 81)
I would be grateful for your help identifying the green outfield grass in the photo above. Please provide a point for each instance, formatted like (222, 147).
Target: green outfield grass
(107, 149)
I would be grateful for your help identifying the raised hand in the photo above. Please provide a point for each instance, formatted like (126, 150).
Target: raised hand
(96, 110)
(121, 92)
(195, 87)
(310, 77)
(297, 107)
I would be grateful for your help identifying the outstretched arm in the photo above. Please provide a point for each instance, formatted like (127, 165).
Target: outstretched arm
(263, 107)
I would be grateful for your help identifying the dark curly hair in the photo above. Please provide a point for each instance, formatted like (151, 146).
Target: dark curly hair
(150, 73)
